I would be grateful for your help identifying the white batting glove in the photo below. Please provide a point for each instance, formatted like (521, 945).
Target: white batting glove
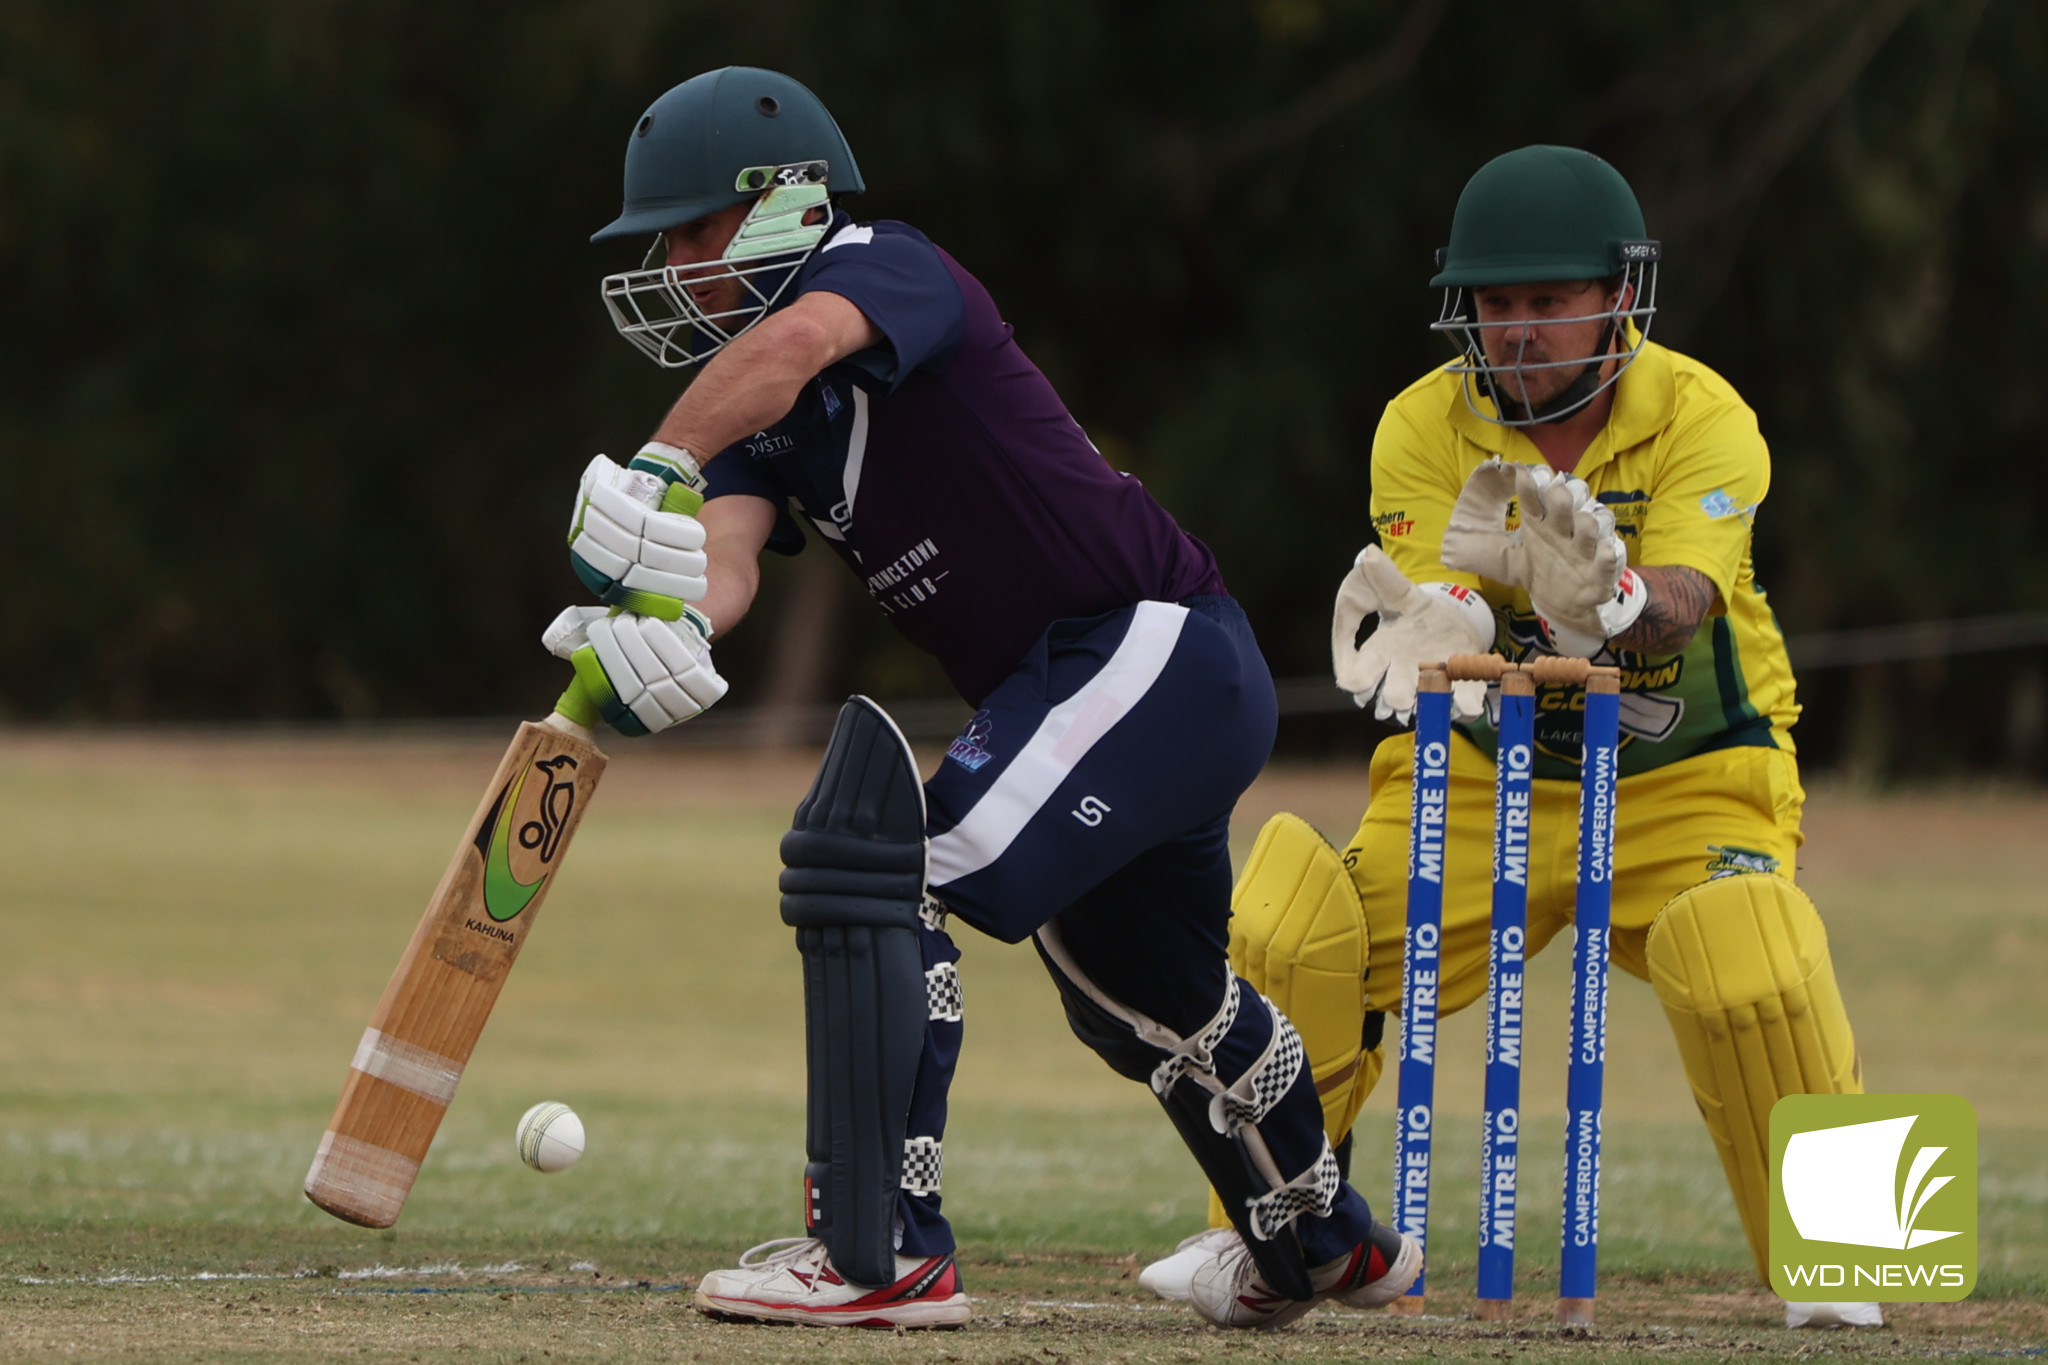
(632, 537)
(1419, 623)
(1566, 554)
(645, 674)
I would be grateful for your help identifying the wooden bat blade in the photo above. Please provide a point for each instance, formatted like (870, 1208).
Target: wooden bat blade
(410, 1058)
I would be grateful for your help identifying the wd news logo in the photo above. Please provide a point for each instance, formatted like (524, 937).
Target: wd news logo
(1874, 1197)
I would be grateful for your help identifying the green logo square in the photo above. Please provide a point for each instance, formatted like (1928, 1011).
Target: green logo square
(1874, 1198)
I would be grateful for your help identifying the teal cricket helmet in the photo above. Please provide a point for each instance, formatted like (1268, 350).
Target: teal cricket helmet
(687, 153)
(728, 137)
(1532, 216)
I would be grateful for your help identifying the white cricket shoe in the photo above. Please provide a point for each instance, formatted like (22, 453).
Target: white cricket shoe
(1226, 1288)
(1833, 1314)
(791, 1279)
(1171, 1276)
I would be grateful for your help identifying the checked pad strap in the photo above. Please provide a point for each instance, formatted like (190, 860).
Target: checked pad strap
(1313, 1191)
(923, 1165)
(1254, 1094)
(944, 999)
(1198, 1052)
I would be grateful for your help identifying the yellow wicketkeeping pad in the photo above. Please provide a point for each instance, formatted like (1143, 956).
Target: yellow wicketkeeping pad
(1874, 1198)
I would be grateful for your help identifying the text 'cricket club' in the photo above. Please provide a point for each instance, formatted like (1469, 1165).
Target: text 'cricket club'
(900, 585)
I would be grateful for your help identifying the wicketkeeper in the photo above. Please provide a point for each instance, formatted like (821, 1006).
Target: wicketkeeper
(854, 376)
(1568, 486)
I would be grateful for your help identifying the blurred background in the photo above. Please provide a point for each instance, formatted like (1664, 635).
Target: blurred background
(301, 347)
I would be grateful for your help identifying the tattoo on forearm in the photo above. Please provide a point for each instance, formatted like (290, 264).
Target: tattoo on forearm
(1680, 599)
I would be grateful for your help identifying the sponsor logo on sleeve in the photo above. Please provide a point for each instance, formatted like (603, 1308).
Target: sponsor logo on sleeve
(1719, 504)
(1392, 525)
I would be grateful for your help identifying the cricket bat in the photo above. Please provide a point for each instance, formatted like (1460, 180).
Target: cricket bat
(411, 1056)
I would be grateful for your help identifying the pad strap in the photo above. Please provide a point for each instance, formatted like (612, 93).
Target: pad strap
(1252, 1096)
(1199, 1052)
(1314, 1191)
(923, 1165)
(943, 996)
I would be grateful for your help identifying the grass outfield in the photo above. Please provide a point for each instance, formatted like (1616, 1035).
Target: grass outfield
(195, 931)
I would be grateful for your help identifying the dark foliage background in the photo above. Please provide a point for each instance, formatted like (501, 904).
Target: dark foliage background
(302, 350)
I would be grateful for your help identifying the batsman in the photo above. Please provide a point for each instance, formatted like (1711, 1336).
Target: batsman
(1567, 486)
(854, 376)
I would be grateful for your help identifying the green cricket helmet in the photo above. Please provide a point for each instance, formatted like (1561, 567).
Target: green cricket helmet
(1531, 216)
(727, 137)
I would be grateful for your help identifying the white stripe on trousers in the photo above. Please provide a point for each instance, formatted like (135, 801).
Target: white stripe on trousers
(1062, 740)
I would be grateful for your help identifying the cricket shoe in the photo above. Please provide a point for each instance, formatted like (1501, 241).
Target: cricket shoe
(791, 1279)
(1228, 1291)
(1833, 1315)
(1172, 1276)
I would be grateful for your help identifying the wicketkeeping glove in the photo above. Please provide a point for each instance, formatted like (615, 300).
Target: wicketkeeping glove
(1419, 624)
(634, 539)
(1566, 554)
(645, 674)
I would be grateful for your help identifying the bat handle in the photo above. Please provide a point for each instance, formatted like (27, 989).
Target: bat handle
(575, 713)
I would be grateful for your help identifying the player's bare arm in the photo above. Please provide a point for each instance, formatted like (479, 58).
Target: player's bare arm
(751, 384)
(1679, 600)
(737, 530)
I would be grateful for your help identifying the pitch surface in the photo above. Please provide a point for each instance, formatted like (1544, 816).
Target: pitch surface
(197, 928)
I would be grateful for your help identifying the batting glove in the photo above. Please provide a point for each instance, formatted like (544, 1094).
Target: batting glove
(633, 538)
(645, 674)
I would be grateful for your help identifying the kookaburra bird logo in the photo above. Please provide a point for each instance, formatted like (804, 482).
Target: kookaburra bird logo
(505, 896)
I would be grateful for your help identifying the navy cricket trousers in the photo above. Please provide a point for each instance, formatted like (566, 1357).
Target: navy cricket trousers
(1095, 785)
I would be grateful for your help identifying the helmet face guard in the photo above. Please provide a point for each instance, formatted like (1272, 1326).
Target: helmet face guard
(1505, 384)
(654, 307)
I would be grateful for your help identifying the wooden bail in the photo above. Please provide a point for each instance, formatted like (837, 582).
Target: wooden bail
(1477, 667)
(1555, 670)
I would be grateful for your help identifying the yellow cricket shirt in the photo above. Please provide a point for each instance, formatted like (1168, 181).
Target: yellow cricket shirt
(1683, 468)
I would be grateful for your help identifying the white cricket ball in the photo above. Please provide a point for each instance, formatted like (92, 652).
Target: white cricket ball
(550, 1136)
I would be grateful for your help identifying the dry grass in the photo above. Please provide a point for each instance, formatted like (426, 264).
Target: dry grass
(198, 925)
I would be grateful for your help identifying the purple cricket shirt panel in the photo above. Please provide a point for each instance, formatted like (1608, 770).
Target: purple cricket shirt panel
(963, 495)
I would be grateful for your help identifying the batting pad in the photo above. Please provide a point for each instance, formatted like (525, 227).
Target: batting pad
(852, 884)
(1741, 966)
(1297, 933)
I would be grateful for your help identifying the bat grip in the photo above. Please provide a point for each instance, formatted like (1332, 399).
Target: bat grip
(576, 707)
